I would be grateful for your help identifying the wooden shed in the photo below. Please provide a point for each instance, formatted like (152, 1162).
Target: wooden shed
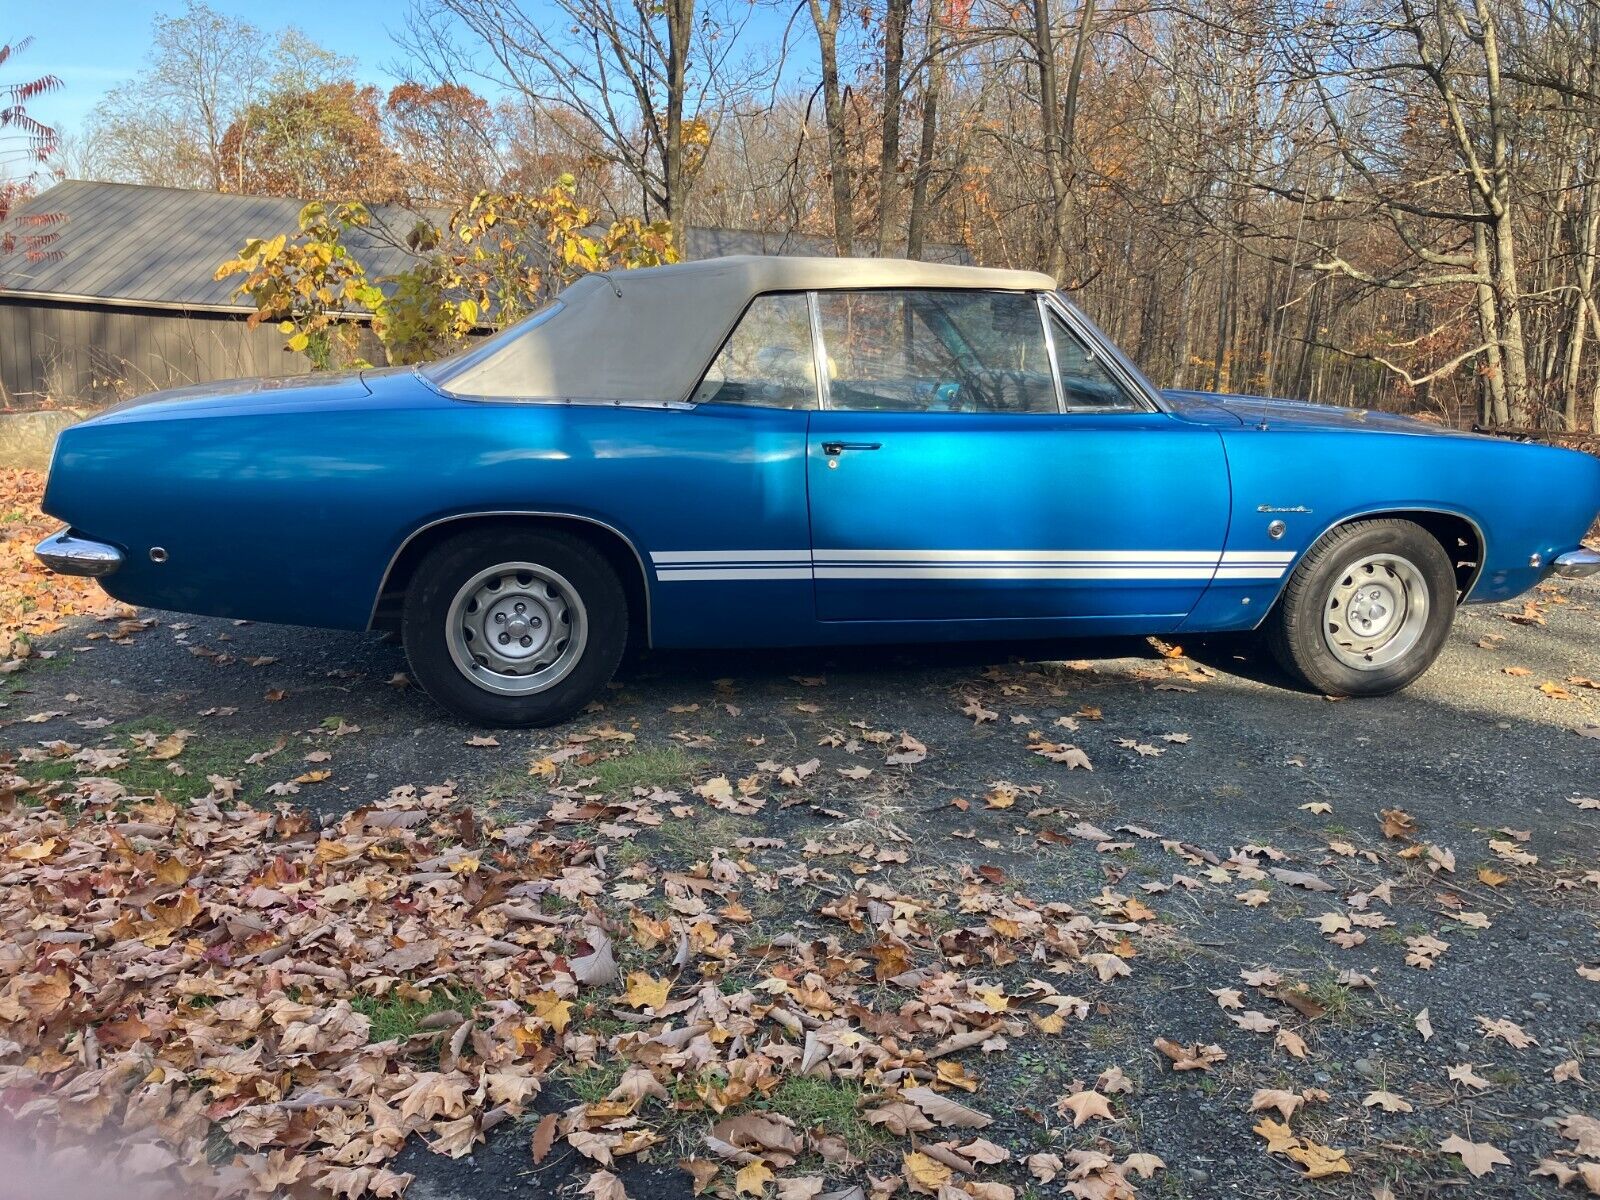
(125, 302)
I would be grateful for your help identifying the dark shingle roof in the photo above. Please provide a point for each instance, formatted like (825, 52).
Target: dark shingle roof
(129, 244)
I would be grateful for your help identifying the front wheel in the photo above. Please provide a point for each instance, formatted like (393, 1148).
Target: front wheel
(1366, 611)
(514, 627)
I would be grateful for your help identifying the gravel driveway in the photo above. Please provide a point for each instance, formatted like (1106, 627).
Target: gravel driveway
(1249, 819)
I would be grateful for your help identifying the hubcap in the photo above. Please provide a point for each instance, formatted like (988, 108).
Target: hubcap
(516, 628)
(1375, 612)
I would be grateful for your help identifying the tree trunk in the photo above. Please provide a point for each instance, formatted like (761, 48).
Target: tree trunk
(827, 26)
(932, 86)
(680, 28)
(1588, 231)
(1492, 408)
(894, 47)
(1044, 50)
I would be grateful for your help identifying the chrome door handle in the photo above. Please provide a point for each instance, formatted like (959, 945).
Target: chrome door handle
(832, 449)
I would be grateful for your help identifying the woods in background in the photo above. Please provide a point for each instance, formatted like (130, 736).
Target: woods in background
(1385, 203)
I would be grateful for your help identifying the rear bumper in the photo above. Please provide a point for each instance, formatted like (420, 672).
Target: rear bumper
(1576, 564)
(66, 554)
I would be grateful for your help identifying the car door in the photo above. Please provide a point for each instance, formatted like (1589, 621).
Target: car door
(978, 456)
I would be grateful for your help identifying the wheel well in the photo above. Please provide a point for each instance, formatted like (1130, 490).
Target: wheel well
(618, 551)
(1460, 538)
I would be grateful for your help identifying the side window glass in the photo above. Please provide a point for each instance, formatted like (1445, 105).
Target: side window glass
(935, 351)
(1087, 384)
(766, 360)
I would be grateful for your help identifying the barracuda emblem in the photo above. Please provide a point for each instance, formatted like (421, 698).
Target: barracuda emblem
(1273, 508)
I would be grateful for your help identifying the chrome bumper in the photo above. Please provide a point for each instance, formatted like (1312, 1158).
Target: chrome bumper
(1575, 564)
(68, 555)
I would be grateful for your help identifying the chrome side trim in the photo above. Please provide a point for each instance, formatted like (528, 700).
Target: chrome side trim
(644, 574)
(1577, 564)
(68, 555)
(1483, 542)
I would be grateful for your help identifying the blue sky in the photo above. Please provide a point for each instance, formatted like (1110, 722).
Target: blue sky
(93, 45)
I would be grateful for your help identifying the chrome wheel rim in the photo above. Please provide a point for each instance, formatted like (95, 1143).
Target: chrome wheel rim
(516, 628)
(1375, 612)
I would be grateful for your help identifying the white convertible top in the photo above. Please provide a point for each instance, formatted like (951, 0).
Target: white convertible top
(646, 335)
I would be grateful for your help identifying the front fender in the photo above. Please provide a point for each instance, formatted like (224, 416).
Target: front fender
(1528, 502)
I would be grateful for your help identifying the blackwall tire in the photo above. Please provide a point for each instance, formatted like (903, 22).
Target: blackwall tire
(1366, 611)
(513, 627)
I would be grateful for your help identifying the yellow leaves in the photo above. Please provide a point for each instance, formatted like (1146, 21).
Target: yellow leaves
(1489, 877)
(1319, 1161)
(1278, 1134)
(551, 1009)
(170, 746)
(32, 851)
(952, 1074)
(924, 1174)
(992, 999)
(645, 991)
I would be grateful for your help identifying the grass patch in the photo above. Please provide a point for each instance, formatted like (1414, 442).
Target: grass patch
(396, 1017)
(142, 776)
(1337, 999)
(832, 1104)
(594, 1083)
(660, 766)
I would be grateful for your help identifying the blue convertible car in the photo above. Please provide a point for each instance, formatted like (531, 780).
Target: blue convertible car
(783, 451)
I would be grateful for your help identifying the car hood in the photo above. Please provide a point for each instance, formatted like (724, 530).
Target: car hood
(239, 397)
(1296, 414)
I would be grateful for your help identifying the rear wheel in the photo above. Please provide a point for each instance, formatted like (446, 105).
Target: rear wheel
(1366, 611)
(512, 627)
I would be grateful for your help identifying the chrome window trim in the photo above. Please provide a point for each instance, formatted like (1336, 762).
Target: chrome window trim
(819, 354)
(1050, 352)
(644, 571)
(1141, 389)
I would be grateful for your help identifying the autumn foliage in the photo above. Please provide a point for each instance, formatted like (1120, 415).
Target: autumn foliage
(499, 257)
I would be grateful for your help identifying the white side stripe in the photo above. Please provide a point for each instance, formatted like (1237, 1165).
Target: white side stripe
(667, 557)
(674, 575)
(1002, 572)
(1206, 557)
(730, 565)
